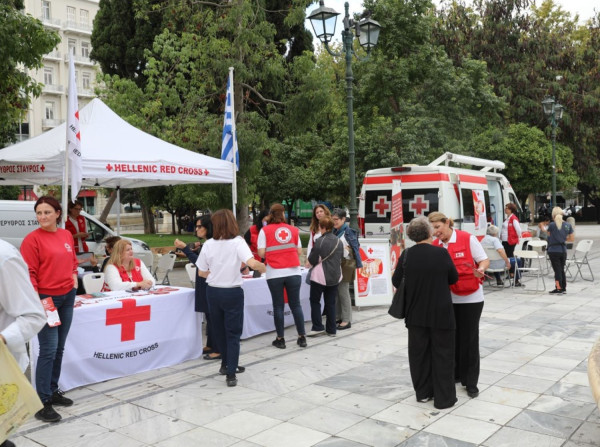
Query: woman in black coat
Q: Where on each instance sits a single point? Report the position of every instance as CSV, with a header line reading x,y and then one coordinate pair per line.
x,y
203,230
429,318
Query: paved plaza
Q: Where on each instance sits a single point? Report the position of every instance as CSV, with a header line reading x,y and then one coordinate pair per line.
x,y
355,389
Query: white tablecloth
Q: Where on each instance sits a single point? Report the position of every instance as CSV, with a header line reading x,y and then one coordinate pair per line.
x,y
119,335
258,307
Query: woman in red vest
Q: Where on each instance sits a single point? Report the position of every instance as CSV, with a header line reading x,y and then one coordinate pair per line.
x,y
251,236
471,262
511,230
279,243
123,271
75,223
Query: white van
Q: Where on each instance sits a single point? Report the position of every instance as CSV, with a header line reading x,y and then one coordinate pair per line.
x,y
17,220
439,187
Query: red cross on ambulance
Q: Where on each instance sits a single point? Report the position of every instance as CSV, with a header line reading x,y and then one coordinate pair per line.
x,y
419,205
381,206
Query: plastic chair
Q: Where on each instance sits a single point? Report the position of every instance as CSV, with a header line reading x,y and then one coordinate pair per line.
x,y
539,247
164,265
93,282
192,272
493,255
580,258
538,271
147,259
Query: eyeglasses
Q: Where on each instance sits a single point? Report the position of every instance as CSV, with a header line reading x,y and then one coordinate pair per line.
x,y
198,226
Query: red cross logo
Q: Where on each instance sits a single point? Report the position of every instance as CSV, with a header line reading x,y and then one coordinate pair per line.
x,y
206,172
419,205
283,235
370,250
127,316
382,206
109,167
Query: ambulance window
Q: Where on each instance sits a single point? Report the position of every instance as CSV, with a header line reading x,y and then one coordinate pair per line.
x,y
378,206
468,205
96,232
419,202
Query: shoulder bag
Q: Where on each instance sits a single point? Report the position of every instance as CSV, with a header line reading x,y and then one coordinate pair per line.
x,y
307,280
398,307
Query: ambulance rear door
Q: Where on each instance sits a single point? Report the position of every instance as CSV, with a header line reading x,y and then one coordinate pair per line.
x,y
474,204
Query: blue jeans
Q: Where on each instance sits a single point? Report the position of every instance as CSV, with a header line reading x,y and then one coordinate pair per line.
x,y
292,285
52,345
226,307
329,296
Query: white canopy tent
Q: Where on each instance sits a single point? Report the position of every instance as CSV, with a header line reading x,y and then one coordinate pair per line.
x,y
114,154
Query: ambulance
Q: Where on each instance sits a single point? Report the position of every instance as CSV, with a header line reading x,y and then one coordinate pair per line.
x,y
473,198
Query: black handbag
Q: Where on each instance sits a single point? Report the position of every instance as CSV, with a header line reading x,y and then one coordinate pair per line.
x,y
398,306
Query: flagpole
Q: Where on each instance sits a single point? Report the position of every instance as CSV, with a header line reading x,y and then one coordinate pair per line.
x,y
233,161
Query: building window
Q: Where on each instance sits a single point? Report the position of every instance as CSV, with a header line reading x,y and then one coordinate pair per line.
x,y
85,49
72,46
85,80
84,18
71,14
76,77
49,110
48,75
46,10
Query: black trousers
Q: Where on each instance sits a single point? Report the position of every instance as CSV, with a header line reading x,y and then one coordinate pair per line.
x,y
558,261
431,360
467,342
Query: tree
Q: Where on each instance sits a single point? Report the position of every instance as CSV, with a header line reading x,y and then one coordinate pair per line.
x,y
527,153
23,42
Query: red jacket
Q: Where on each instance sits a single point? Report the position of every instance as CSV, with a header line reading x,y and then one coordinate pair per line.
x,y
254,242
513,237
281,249
51,259
460,252
81,229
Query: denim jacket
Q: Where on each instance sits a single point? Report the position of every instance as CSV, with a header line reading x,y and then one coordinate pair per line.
x,y
352,239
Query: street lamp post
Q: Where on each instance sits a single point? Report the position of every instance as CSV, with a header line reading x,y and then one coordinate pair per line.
x,y
554,112
323,20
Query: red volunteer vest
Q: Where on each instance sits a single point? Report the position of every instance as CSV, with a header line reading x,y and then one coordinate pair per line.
x,y
460,252
282,246
254,242
513,237
80,229
136,273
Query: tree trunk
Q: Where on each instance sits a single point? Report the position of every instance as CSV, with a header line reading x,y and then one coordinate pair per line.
x,y
532,207
148,219
108,206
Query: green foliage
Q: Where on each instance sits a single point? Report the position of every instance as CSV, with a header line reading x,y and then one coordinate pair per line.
x,y
9,192
23,42
527,153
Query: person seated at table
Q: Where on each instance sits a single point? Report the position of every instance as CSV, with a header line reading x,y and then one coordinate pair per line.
x,y
109,243
491,240
124,272
543,228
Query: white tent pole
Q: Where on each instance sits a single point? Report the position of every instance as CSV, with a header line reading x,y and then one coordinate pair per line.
x,y
118,211
65,184
234,136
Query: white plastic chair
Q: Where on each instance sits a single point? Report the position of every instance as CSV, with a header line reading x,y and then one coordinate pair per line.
x,y
164,265
147,259
93,282
493,255
538,271
540,247
192,272
580,258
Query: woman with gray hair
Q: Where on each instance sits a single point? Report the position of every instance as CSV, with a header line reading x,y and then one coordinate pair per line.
x,y
491,241
429,272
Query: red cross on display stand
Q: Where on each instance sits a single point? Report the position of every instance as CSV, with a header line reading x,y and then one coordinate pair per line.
x,y
419,205
127,316
382,206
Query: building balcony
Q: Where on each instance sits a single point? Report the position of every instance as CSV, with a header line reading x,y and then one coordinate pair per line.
x,y
75,27
81,60
54,56
50,23
86,93
52,89
49,124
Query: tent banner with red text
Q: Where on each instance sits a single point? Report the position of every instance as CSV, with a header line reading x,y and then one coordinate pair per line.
x,y
373,282
118,334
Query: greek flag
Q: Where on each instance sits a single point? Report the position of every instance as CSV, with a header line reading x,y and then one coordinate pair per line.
x,y
229,145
